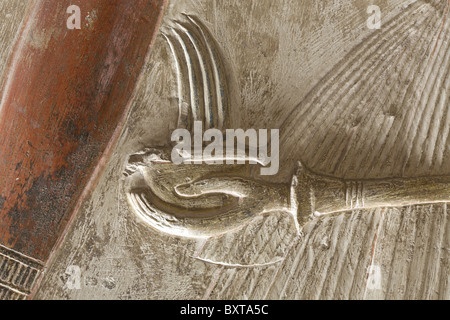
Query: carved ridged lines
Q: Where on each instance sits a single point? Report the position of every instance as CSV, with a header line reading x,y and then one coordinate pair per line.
x,y
319,263
260,247
17,274
416,267
383,111
354,194
202,84
333,257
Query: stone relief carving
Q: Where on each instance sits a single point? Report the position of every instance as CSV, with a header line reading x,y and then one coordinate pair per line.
x,y
363,187
203,201
18,273
203,93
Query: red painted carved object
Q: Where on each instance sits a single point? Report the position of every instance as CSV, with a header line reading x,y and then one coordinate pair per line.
x,y
64,98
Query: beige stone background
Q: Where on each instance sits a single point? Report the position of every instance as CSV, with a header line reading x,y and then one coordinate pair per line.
x,y
276,52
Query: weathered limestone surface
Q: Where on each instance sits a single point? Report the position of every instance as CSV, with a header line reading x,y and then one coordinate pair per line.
x,y
351,103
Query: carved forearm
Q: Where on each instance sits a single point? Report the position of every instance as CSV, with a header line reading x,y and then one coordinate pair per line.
x,y
318,194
